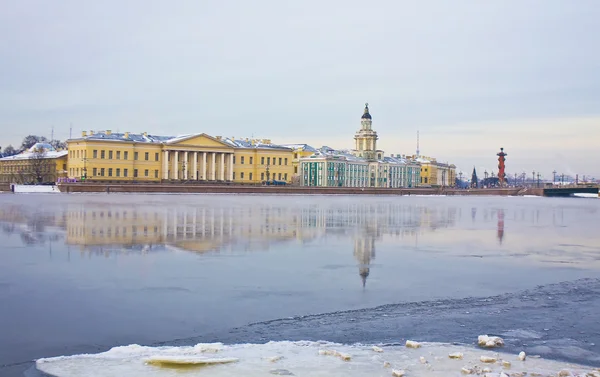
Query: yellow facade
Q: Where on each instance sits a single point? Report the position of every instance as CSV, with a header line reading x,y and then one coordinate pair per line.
x,y
112,160
256,165
106,156
30,167
434,173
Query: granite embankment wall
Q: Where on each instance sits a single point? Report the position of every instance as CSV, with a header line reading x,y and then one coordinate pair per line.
x,y
4,187
279,190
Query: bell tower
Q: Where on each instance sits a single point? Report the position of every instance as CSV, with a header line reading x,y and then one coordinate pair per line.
x,y
365,138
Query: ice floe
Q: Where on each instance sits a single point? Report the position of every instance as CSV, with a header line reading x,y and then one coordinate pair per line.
x,y
305,358
413,344
490,341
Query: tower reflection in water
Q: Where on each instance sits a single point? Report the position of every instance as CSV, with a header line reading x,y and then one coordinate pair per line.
x,y
106,229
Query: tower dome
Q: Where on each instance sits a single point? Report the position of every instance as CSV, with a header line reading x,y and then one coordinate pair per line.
x,y
366,114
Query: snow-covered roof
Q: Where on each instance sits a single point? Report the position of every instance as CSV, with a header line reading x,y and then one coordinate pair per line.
x,y
129,137
42,146
303,147
30,155
254,144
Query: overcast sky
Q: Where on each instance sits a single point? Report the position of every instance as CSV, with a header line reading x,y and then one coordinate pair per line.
x,y
471,76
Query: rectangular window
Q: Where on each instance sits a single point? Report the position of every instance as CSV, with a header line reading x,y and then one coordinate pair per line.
x,y
110,154
242,175
285,176
135,173
110,172
251,160
118,155
280,176
262,160
233,175
146,156
95,172
279,160
156,156
234,159
118,172
102,172
262,176
102,154
135,155
125,171
125,155
250,176
269,160
242,160
295,169
285,160
155,173
146,173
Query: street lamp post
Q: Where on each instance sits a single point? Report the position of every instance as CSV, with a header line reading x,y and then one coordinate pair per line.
x,y
533,178
516,183
538,182
268,173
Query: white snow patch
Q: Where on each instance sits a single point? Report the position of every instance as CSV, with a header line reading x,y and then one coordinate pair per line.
x,y
299,358
413,344
36,189
490,341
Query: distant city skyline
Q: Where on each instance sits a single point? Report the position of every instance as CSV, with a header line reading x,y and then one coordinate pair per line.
x,y
470,76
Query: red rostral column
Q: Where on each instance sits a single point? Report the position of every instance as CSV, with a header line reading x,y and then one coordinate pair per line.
x,y
501,159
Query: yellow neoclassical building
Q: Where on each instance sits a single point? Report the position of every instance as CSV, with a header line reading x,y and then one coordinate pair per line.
x,y
434,173
128,157
39,164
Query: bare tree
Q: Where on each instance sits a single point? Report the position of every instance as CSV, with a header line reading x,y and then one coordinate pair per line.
x,y
40,167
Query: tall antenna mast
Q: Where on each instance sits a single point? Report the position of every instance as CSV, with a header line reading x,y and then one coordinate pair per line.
x,y
418,152
71,131
52,134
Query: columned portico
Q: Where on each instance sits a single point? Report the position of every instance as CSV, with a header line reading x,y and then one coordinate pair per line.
x,y
184,165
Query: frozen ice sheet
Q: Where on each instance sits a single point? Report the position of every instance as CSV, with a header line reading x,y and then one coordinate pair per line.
x,y
302,358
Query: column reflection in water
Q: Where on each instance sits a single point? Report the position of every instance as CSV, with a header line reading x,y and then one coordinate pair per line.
x,y
105,227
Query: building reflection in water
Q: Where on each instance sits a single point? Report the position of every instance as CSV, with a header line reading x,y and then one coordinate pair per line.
x,y
104,229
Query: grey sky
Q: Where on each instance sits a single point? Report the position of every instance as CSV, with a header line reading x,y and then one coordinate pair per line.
x,y
472,76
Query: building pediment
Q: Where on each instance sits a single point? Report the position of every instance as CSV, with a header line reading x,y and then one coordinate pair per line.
x,y
198,140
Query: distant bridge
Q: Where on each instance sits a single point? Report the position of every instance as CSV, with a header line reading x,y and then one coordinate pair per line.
x,y
569,190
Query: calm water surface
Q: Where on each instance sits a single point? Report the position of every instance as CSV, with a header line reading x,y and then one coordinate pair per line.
x,y
83,273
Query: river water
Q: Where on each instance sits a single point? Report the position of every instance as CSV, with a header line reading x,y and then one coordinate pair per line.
x,y
85,273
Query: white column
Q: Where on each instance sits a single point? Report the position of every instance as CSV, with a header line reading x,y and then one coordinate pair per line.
x,y
195,166
231,167
204,175
222,175
213,167
185,166
165,164
175,164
